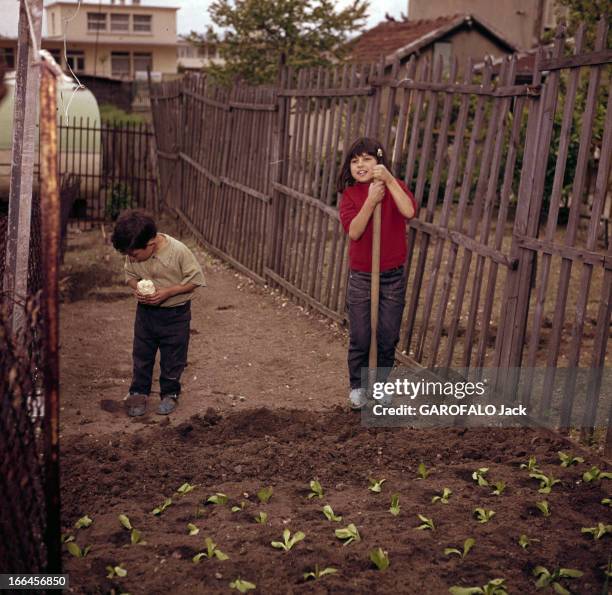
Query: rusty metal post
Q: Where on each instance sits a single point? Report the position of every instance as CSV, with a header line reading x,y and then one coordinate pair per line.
x,y
51,233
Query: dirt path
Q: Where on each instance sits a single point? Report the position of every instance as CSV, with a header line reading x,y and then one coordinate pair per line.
x,y
264,406
247,348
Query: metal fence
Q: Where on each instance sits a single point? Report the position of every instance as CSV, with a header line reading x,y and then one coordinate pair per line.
x,y
23,516
509,265
113,163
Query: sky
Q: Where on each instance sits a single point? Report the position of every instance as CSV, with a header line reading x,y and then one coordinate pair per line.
x,y
193,14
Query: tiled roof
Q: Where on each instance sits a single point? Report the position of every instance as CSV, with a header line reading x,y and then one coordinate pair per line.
x,y
400,38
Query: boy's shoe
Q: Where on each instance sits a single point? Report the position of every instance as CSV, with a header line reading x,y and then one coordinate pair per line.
x,y
357,398
168,404
136,404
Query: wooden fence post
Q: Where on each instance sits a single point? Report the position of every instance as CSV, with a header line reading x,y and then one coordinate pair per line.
x,y
512,327
15,282
279,156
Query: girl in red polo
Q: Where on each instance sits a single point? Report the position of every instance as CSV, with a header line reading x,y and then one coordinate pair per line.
x,y
365,181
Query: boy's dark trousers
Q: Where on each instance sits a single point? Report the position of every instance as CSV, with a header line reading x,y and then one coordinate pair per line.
x,y
166,329
390,310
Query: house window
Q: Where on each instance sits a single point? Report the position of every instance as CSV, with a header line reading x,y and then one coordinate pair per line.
x,y
120,22
96,21
120,64
142,23
52,23
142,62
7,57
443,50
75,59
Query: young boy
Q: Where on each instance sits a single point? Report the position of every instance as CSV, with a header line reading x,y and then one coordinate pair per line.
x,y
162,317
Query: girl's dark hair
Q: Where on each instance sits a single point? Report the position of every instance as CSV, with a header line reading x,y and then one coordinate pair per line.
x,y
359,147
133,231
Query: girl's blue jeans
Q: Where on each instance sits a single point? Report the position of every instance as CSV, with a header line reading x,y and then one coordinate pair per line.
x,y
390,310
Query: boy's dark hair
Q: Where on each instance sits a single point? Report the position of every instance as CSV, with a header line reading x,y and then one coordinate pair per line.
x,y
133,231
359,147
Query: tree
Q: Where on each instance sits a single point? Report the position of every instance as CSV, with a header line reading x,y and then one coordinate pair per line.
x,y
588,12
258,32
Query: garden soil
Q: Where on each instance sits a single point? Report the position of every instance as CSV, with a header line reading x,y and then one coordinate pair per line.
x,y
264,405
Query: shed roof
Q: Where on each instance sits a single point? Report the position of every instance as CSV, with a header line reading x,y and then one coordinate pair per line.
x,y
398,39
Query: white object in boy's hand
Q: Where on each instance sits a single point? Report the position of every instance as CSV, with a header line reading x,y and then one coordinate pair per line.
x,y
146,287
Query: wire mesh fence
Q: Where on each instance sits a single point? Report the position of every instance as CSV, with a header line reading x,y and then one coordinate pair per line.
x,y
23,510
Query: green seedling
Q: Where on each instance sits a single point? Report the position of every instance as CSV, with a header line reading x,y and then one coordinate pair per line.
x,y
261,517
423,472
265,494
530,465
479,476
350,533
543,507
468,544
376,485
76,551
607,501
548,579
525,541
212,551
595,474
240,507
546,481
607,570
199,512
597,532
316,489
83,522
329,514
135,536
395,506
316,574
380,558
567,460
427,523
157,511
116,571
192,529
483,516
67,538
217,498
125,522
288,541
185,489
499,486
493,587
443,497
242,586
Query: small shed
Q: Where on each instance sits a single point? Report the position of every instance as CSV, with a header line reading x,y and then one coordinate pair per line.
x,y
460,36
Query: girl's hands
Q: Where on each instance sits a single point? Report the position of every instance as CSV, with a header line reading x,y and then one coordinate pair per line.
x,y
376,192
382,173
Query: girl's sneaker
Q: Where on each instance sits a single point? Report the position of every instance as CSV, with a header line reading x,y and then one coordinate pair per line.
x,y
357,398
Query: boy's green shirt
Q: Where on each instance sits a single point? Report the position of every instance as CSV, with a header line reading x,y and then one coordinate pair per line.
x,y
173,264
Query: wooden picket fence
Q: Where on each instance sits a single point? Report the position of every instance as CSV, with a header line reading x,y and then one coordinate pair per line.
x,y
508,265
